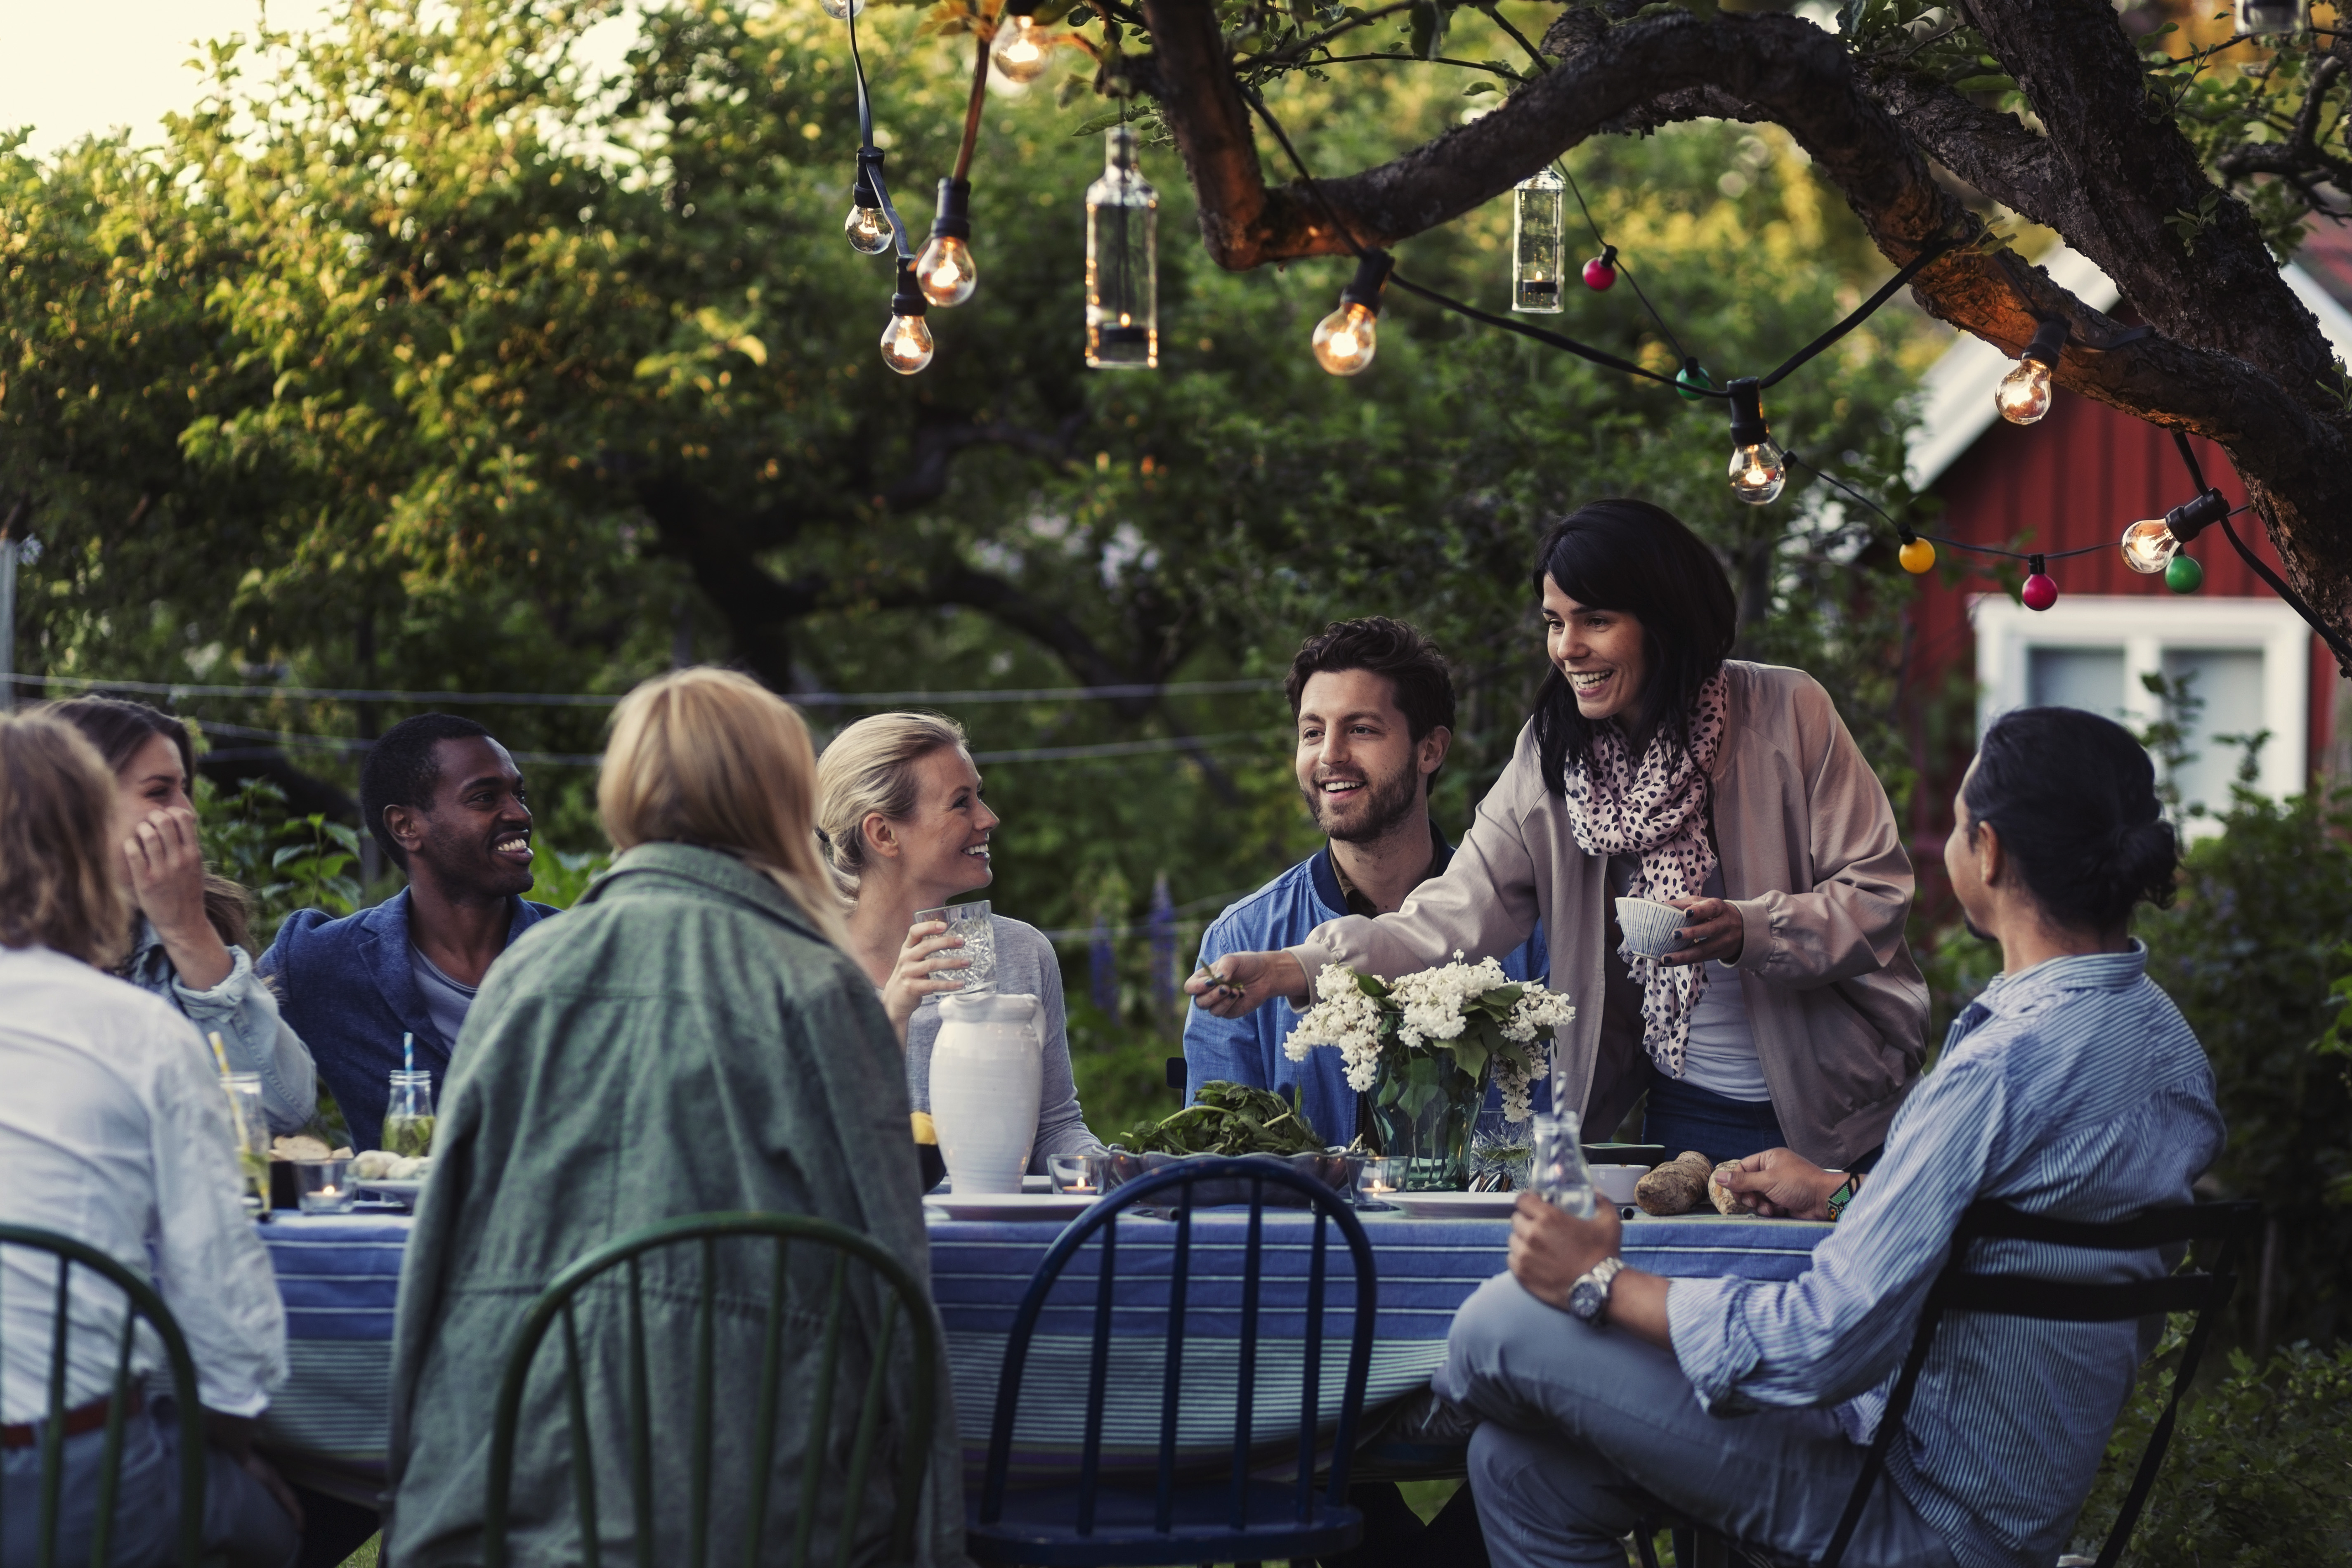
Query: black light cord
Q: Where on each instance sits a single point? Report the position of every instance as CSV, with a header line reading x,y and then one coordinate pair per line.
x,y
1681,357
869,157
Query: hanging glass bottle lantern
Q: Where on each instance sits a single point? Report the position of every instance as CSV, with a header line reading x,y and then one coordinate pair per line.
x,y
1122,262
1539,242
2272,17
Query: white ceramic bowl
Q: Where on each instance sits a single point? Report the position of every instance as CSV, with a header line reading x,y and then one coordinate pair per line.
x,y
1650,926
1615,1183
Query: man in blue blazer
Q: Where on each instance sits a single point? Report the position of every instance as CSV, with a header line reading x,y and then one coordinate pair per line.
x,y
446,803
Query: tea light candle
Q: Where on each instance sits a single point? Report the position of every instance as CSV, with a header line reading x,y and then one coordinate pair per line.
x,y
324,1186
1075,1173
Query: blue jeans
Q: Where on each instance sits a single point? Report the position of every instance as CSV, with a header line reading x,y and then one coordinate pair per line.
x,y
242,1521
1583,1431
1684,1116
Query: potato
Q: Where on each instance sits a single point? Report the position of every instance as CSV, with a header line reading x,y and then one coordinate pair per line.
x,y
1726,1200
1676,1187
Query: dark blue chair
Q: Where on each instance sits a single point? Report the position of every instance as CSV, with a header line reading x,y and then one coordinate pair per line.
x,y
1100,1524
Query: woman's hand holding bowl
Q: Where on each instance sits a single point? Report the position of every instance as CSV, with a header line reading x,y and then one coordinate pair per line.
x,y
920,970
1715,930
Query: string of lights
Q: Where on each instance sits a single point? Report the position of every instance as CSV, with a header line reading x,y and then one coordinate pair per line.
x,y
178,689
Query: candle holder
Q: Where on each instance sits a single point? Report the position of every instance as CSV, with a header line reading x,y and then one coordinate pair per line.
x,y
1380,1177
1081,1175
324,1186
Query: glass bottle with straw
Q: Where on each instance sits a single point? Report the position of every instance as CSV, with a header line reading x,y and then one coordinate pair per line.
x,y
408,1111
251,1127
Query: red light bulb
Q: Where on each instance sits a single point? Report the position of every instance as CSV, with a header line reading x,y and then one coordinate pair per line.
x,y
2039,593
1598,275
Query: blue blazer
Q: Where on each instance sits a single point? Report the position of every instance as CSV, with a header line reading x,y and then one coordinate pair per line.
x,y
346,987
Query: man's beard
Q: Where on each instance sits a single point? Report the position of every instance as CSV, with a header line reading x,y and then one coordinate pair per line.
x,y
1389,801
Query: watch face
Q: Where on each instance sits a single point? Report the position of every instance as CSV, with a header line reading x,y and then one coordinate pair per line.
x,y
1586,1299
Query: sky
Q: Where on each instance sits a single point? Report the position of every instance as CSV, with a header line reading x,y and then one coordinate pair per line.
x,y
69,67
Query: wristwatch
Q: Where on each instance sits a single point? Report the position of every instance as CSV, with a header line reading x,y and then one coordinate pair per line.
x,y
1588,1297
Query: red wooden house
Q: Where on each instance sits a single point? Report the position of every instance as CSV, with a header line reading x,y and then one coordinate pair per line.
x,y
2078,479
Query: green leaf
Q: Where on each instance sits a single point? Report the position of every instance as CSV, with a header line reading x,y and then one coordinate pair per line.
x,y
1475,88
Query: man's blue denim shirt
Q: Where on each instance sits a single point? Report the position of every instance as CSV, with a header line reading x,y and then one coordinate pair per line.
x,y
1248,1049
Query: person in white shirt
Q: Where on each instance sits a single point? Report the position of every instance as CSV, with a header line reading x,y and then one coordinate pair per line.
x,y
114,1131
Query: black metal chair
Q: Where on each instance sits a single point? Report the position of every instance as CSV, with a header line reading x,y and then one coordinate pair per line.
x,y
1959,1288
1235,1519
141,1301
907,1296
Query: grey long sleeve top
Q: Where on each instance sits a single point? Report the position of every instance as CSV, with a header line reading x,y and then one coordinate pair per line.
x,y
1026,964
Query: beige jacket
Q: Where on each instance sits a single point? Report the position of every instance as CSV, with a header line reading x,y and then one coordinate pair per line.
x,y
1813,861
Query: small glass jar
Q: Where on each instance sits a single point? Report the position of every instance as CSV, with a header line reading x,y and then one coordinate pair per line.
x,y
324,1186
1081,1175
408,1115
250,1126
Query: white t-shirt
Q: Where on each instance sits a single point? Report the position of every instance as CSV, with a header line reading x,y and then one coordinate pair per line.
x,y
1720,1056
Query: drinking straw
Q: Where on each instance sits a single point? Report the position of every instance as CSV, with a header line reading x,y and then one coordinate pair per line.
x,y
408,1053
236,1111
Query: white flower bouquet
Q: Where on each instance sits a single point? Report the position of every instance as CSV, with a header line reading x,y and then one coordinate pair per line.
x,y
1423,1046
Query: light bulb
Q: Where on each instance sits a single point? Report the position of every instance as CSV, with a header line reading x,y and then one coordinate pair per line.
x,y
907,344
1916,556
2024,393
868,229
2149,546
842,10
1758,472
1346,339
1021,49
2272,16
2039,592
2184,575
945,270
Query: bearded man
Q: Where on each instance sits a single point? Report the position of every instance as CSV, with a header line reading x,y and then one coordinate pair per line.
x,y
1374,706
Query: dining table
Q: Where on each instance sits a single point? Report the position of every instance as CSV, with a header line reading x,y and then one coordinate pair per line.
x,y
339,1275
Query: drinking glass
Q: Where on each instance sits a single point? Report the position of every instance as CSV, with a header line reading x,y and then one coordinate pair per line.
x,y
408,1114
324,1186
1382,1176
250,1128
1559,1172
969,923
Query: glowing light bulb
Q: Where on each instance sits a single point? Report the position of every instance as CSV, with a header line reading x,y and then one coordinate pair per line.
x,y
945,270
2148,546
869,230
906,341
1759,471
1916,556
1759,468
907,345
842,10
1346,339
2023,397
1021,51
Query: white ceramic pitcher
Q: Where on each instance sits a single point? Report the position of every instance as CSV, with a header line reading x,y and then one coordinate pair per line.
x,y
986,1064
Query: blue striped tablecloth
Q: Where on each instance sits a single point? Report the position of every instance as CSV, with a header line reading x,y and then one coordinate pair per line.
x,y
340,1276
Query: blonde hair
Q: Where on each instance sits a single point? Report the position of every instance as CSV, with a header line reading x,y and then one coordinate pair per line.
x,y
867,768
710,757
57,884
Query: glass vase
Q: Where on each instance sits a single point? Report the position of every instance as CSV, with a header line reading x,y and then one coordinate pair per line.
x,y
1422,1109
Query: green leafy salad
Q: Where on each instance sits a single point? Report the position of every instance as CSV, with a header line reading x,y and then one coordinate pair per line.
x,y
1227,1119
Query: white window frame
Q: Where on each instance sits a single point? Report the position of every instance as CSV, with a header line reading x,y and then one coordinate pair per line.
x,y
2144,625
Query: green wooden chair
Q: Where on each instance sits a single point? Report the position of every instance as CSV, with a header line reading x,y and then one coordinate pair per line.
x,y
906,1298
144,1302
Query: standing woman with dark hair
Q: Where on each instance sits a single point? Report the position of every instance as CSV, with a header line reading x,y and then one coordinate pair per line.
x,y
1657,767
191,937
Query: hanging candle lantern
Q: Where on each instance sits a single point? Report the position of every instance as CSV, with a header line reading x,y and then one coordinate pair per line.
x,y
1122,261
1539,242
2259,17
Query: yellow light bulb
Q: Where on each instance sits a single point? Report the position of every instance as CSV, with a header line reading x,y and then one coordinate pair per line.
x,y
1346,339
868,229
1758,472
2148,546
907,344
1021,51
1916,557
2023,397
945,270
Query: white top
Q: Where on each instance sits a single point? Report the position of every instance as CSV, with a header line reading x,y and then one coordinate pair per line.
x,y
114,1131
1720,1056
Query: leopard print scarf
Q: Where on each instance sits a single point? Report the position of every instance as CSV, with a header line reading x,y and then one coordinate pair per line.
x,y
1656,809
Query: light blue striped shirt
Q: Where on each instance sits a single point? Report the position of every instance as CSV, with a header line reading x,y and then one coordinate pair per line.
x,y
2074,1088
